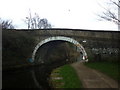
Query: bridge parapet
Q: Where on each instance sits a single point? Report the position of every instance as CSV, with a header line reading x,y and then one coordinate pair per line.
x,y
80,33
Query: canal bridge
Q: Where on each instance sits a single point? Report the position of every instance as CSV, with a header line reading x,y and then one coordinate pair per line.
x,y
91,43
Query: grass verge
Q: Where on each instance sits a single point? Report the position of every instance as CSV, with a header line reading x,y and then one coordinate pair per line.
x,y
108,68
70,78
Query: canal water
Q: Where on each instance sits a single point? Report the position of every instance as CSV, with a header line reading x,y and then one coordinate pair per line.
x,y
32,77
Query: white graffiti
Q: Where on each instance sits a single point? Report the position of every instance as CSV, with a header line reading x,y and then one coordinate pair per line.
x,y
106,50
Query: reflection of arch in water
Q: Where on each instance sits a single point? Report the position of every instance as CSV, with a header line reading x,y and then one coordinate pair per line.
x,y
79,46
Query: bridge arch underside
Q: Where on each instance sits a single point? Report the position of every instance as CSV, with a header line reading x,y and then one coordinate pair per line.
x,y
79,48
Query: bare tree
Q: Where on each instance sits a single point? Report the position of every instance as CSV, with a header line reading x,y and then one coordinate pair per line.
x,y
112,15
36,22
6,24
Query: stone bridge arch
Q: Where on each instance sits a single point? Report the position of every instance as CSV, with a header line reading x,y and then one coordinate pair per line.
x,y
80,48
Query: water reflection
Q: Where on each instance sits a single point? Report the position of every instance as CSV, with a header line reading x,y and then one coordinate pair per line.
x,y
32,77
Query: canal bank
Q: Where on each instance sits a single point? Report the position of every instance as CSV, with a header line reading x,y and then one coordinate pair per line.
x,y
65,77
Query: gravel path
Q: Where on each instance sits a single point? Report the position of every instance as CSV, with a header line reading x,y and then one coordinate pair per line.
x,y
93,79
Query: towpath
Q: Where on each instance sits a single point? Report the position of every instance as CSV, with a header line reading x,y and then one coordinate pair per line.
x,y
91,78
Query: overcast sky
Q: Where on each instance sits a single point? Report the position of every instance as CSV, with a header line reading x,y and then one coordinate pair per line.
x,y
77,14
